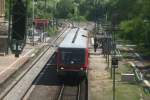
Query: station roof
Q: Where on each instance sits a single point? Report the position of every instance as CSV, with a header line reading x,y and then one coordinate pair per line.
x,y
76,38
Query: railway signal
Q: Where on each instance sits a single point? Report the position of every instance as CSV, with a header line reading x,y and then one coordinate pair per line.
x,y
18,31
114,62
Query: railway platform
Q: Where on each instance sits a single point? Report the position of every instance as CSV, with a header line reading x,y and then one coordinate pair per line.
x,y
99,82
9,64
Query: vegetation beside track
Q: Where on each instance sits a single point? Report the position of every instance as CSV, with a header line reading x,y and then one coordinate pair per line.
x,y
128,90
52,32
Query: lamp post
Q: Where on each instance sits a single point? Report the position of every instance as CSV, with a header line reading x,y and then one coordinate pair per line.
x,y
33,22
9,26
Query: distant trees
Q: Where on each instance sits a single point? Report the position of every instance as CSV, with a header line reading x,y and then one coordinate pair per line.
x,y
83,9
134,19
65,9
133,15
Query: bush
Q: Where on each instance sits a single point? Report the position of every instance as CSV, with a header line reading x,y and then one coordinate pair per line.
x,y
52,31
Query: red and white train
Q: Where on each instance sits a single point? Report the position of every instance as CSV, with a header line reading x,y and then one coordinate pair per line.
x,y
72,53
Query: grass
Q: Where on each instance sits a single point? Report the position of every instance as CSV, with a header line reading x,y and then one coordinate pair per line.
x,y
124,91
125,55
52,32
147,66
127,92
144,51
123,68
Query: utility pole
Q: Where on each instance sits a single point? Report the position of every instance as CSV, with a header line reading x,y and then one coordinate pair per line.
x,y
114,57
33,22
114,65
9,26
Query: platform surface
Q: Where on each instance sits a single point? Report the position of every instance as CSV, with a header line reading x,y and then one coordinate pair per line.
x,y
9,63
99,82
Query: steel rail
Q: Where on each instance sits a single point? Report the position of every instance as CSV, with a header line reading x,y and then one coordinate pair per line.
x,y
61,92
79,92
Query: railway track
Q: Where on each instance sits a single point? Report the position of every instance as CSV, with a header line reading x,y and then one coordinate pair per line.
x,y
74,92
23,82
64,90
69,92
48,86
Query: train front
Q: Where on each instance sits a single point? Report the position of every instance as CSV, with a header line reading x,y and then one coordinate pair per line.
x,y
72,60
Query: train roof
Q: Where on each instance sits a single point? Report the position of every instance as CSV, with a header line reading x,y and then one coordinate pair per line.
x,y
76,38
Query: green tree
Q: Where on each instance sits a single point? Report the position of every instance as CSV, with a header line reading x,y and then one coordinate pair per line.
x,y
134,19
65,9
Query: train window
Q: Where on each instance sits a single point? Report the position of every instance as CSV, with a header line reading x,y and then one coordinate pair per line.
x,y
72,56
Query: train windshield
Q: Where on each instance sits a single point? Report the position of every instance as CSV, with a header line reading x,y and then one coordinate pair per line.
x,y
72,56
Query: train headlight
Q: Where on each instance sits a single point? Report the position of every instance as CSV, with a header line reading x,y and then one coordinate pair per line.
x,y
81,68
61,68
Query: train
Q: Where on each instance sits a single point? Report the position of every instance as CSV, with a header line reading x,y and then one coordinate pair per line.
x,y
72,53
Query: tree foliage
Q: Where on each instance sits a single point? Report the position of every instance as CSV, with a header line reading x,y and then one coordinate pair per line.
x,y
65,8
133,19
133,15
